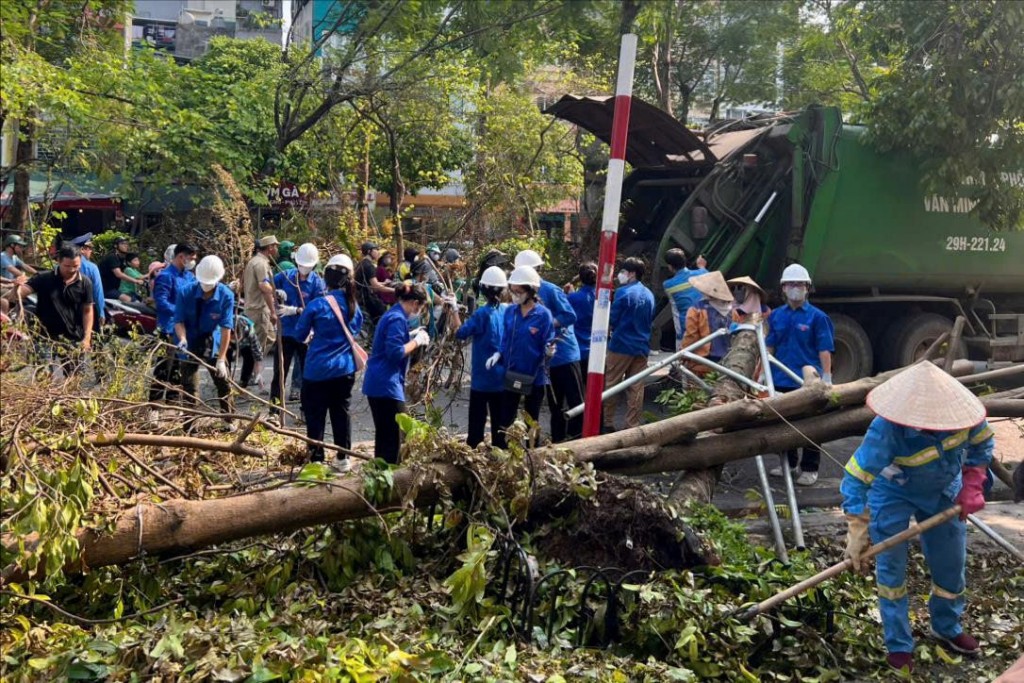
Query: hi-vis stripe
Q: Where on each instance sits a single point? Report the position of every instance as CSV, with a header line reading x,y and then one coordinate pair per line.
x,y
917,459
940,592
853,467
681,287
892,592
954,440
983,435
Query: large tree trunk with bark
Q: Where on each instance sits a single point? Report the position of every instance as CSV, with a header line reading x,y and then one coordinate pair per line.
x,y
23,159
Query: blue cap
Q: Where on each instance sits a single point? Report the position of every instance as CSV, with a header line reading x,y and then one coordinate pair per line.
x,y
84,239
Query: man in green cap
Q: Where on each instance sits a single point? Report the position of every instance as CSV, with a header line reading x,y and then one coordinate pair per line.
x,y
284,256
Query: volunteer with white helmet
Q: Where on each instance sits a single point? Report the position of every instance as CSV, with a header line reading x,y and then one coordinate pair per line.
x,y
384,381
487,381
565,373
800,334
301,286
330,370
204,315
528,328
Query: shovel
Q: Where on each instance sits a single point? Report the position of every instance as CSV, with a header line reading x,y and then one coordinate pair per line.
x,y
837,569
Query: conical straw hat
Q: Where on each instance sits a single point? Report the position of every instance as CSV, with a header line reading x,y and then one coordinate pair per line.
x,y
749,281
925,397
712,284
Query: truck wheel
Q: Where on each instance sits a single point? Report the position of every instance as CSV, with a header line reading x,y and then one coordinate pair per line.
x,y
918,333
853,357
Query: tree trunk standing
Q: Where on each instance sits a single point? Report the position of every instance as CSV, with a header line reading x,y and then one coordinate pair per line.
x,y
630,9
363,187
744,358
397,189
23,160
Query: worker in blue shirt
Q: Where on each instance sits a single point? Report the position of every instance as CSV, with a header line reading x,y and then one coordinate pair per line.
x,y
630,322
928,449
301,286
329,373
799,334
92,271
564,373
204,316
486,327
384,381
582,302
175,276
528,331
680,292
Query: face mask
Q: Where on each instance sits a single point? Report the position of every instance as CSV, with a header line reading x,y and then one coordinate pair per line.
x,y
206,287
305,270
623,277
723,307
795,294
190,265
519,298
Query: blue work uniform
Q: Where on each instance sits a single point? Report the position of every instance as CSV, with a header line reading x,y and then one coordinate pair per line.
x,y
567,350
630,319
682,295
387,365
300,293
582,302
486,327
901,472
204,318
165,294
797,337
92,271
525,339
330,354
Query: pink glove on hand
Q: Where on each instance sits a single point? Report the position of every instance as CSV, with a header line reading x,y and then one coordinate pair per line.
x,y
972,495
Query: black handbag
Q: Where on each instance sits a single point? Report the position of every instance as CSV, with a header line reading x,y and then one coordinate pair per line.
x,y
519,382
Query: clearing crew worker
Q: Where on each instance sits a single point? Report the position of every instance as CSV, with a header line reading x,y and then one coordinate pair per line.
x,y
175,276
630,322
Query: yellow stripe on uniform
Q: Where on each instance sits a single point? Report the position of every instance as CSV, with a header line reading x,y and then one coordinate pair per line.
x,y
892,592
854,468
983,435
954,440
681,287
940,592
917,459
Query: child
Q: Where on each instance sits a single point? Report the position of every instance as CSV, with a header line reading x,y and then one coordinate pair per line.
x,y
129,291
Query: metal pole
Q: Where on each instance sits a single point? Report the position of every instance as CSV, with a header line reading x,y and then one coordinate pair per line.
x,y
787,476
609,235
630,381
732,374
773,515
994,535
781,366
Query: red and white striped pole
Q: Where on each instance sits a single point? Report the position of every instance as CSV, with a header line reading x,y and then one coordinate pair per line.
x,y
609,237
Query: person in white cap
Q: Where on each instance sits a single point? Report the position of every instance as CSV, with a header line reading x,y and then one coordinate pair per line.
x,y
928,449
204,315
258,292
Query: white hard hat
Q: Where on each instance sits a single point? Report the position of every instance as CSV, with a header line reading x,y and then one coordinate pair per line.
x,y
169,253
341,261
494,277
307,255
524,275
210,270
528,257
794,272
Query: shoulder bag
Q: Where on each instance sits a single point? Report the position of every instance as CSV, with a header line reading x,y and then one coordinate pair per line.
x,y
358,352
518,382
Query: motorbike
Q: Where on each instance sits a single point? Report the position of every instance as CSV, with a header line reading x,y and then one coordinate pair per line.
x,y
127,317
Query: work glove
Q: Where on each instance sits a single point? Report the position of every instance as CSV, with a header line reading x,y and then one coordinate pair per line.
x,y
421,338
972,495
282,296
285,311
222,369
450,300
857,540
183,345
826,377
492,361
549,350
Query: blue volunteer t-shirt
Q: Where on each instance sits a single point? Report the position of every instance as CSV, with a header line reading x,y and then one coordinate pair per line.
x,y
525,340
582,302
631,317
330,354
797,336
486,326
311,288
567,350
386,367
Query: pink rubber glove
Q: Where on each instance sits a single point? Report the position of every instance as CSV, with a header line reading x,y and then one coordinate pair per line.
x,y
972,495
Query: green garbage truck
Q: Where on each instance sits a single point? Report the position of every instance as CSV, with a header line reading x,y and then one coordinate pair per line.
x,y
892,264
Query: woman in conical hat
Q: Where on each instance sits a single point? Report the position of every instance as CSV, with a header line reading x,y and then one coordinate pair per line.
x,y
928,449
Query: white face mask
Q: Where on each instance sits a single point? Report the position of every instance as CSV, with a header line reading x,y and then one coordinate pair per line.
x,y
190,265
305,270
723,307
795,294
519,298
206,287
623,277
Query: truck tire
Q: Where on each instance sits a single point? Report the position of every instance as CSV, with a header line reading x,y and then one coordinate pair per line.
x,y
853,357
917,333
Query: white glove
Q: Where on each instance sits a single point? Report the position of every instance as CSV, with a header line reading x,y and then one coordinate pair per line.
x,y
549,350
450,300
183,345
492,361
421,337
826,377
222,368
288,310
281,295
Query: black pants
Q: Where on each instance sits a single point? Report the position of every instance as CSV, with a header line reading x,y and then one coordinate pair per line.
x,y
248,365
166,374
511,401
290,348
387,437
190,385
566,391
480,404
584,364
328,396
811,460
